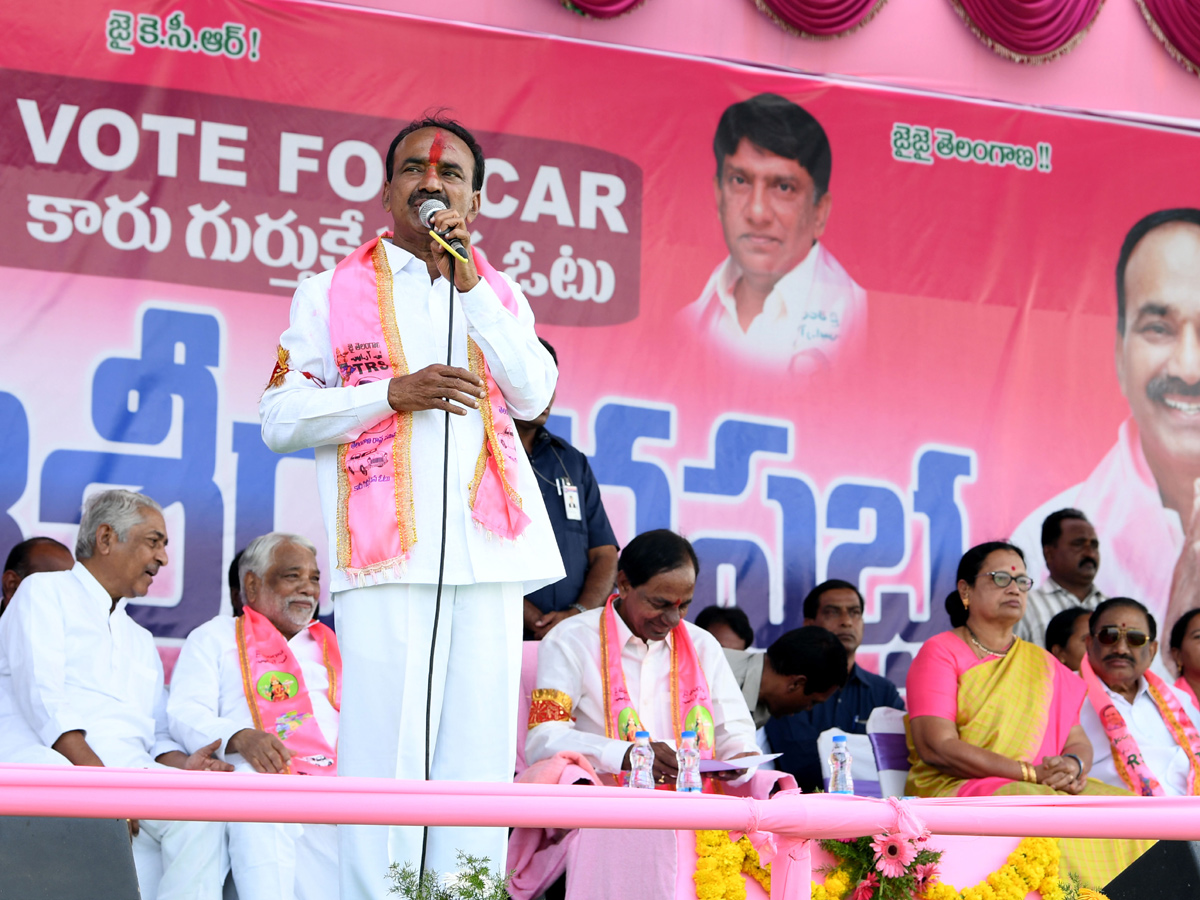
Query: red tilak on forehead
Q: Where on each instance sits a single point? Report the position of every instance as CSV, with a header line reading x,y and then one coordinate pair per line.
x,y
435,149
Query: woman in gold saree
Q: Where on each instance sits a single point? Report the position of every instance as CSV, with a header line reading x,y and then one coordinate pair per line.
x,y
991,714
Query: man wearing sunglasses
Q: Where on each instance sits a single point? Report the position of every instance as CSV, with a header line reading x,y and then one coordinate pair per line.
x,y
1142,730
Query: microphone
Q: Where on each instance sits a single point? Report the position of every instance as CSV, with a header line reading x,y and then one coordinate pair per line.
x,y
425,214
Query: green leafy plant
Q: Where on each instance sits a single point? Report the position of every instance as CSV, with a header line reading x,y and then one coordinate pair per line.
x,y
474,880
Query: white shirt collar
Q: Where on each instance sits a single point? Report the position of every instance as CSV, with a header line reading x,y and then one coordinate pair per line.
x,y
1143,690
398,257
625,635
790,292
96,589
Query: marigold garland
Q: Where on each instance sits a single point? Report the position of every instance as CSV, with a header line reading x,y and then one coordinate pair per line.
x,y
1033,866
721,863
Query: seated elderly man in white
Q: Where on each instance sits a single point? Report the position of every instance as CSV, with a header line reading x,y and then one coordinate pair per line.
x,y
264,687
81,683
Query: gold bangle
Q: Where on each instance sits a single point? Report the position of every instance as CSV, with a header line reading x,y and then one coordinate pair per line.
x,y
1026,773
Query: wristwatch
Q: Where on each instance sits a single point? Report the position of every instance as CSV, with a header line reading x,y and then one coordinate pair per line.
x,y
579,607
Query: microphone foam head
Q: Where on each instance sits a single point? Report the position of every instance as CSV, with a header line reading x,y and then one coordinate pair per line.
x,y
427,209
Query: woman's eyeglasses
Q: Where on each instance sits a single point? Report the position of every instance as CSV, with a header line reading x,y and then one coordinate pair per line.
x,y
1004,579
1110,634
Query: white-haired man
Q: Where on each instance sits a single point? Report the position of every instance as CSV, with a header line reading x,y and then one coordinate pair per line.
x,y
79,677
265,686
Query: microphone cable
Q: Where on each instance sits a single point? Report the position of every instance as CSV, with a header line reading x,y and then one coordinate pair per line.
x,y
437,603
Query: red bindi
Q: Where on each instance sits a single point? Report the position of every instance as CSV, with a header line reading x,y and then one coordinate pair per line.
x,y
435,149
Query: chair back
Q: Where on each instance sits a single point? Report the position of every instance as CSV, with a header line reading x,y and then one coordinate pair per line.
x,y
862,761
885,730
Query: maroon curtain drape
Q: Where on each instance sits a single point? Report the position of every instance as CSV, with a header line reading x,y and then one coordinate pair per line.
x,y
1177,24
601,9
1029,31
820,18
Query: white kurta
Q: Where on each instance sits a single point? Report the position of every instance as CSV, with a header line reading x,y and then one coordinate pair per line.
x,y
208,703
812,316
385,630
1163,756
300,414
569,661
69,664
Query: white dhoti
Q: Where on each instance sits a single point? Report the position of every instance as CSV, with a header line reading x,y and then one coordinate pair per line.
x,y
179,860
384,633
283,862
273,861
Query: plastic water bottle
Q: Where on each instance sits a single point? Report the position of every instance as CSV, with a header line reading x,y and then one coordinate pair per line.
x,y
840,780
641,762
688,780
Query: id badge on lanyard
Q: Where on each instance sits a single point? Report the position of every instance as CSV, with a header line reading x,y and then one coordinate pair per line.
x,y
570,495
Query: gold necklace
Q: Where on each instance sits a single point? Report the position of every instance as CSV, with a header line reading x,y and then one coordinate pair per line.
x,y
975,641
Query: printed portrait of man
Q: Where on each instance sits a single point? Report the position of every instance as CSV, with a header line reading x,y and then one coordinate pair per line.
x,y
779,299
1142,497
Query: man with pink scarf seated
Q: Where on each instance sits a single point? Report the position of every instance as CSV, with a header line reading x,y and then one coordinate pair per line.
x,y
603,675
1142,497
1143,731
265,685
636,665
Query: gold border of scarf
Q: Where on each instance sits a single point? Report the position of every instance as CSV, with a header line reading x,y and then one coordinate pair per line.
x,y
401,443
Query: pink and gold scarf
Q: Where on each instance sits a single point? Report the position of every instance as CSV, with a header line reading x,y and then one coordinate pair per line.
x,y
277,696
376,521
691,704
1127,756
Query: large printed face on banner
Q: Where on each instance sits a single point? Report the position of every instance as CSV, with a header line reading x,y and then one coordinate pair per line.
x,y
823,329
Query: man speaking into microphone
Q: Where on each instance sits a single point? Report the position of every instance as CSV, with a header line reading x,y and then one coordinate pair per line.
x,y
361,377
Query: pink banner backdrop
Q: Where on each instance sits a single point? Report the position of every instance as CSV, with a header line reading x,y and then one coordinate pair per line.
x,y
173,170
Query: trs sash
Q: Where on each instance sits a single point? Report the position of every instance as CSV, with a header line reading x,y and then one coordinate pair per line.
x,y
276,694
376,523
1181,684
1127,756
691,704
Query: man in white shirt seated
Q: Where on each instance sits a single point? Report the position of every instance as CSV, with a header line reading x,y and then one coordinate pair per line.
x,y
1142,730
610,672
81,682
281,716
